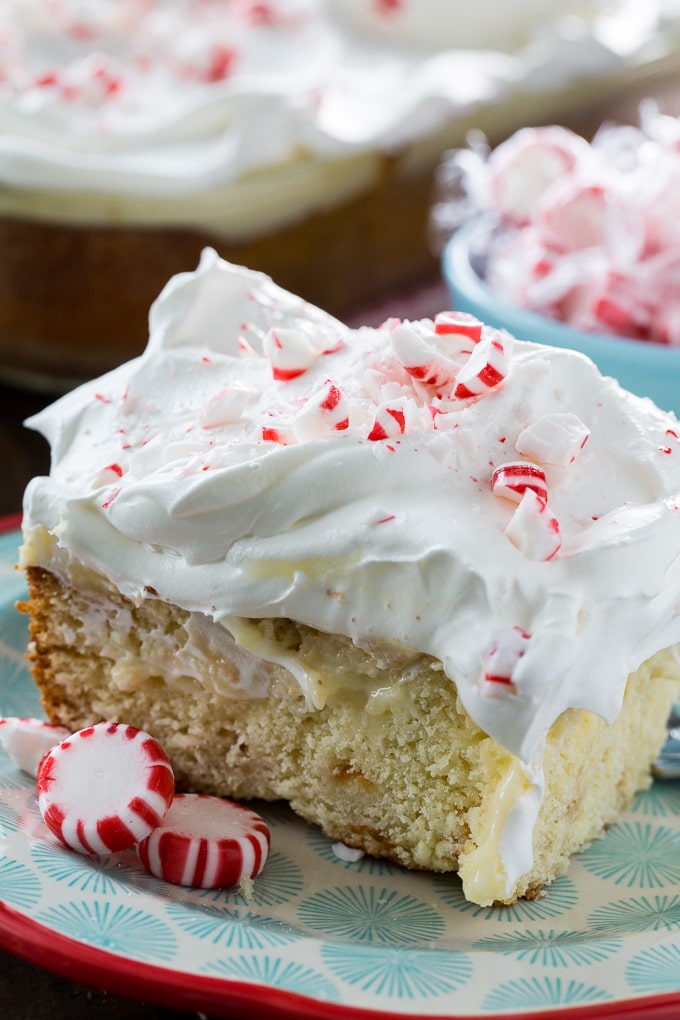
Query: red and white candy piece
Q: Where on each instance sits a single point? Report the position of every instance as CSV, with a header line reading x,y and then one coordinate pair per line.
x,y
207,843
610,303
522,168
666,324
554,438
325,413
105,788
574,215
226,406
390,421
458,324
501,659
486,367
533,528
423,359
290,351
512,480
661,204
277,429
27,741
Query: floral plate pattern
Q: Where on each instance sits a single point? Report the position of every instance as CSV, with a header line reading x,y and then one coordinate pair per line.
x,y
322,937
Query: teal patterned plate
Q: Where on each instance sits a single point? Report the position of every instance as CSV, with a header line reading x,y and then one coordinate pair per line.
x,y
326,938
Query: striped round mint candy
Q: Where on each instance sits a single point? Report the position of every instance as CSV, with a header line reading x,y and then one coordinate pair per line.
x,y
207,843
27,740
105,788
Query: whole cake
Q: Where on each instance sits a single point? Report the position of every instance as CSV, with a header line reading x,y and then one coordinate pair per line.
x,y
420,581
285,134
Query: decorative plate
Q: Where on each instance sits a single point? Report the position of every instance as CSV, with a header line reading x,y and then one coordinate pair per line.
x,y
322,937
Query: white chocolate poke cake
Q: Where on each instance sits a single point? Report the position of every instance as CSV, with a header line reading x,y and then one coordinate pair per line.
x,y
285,134
420,581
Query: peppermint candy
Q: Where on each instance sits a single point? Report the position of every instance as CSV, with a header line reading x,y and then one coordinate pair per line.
x,y
522,168
291,351
486,367
588,235
276,429
104,788
326,412
533,528
501,659
458,324
512,480
666,324
574,215
226,406
27,741
553,439
110,786
609,302
390,421
206,843
424,361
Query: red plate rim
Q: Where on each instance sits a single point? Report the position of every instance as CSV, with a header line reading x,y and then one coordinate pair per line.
x,y
95,967
10,522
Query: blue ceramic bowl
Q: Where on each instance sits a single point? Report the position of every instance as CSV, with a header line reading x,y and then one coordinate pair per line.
x,y
648,369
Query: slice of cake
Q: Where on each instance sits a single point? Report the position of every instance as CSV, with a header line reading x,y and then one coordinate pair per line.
x,y
284,134
420,581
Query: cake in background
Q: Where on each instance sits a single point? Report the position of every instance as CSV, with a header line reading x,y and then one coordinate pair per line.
x,y
418,580
298,137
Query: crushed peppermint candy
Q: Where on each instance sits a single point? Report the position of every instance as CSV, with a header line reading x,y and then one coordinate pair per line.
x,y
512,480
426,358
390,421
501,659
458,324
585,233
486,368
324,413
533,529
553,438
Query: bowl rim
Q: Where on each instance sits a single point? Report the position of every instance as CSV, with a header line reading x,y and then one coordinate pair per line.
x,y
464,280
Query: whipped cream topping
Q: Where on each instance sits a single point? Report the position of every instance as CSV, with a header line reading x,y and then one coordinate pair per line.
x,y
497,505
161,98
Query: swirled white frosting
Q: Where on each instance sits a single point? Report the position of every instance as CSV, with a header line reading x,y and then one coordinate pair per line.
x,y
260,459
143,97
